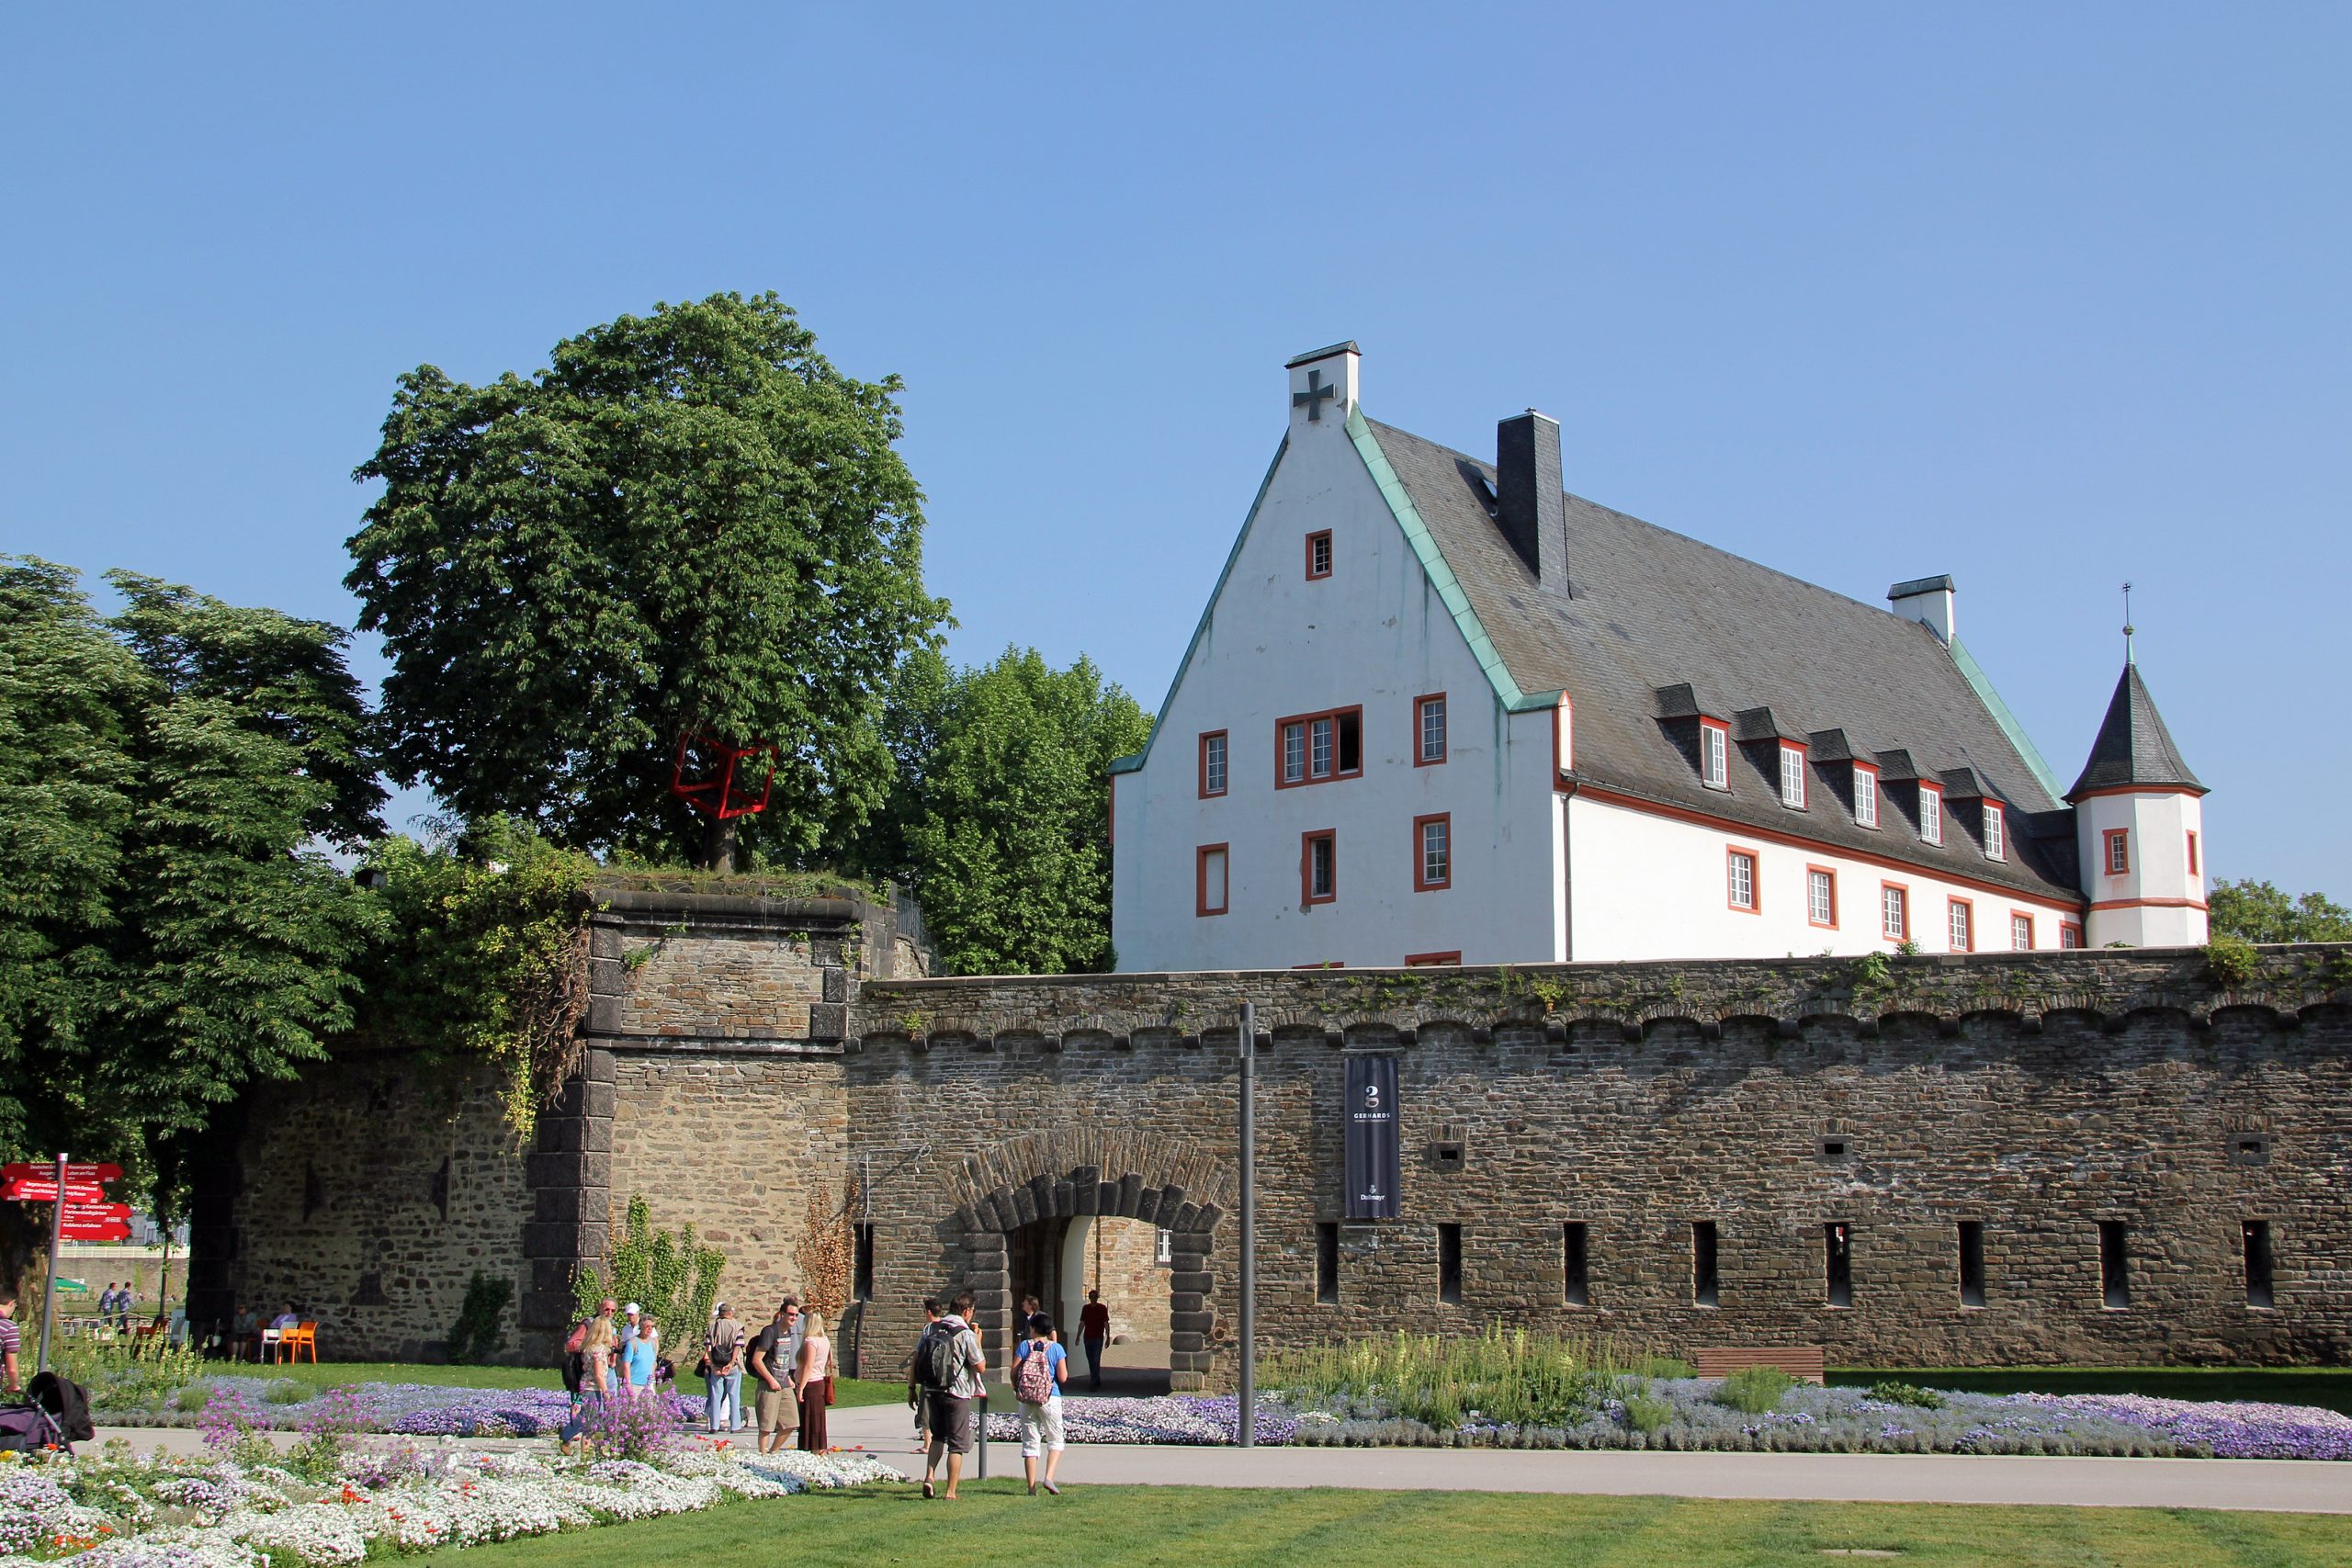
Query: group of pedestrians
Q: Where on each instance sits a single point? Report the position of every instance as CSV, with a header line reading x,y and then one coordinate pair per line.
x,y
791,1365
947,1386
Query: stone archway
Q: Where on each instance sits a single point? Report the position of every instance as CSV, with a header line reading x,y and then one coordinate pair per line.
x,y
1081,1172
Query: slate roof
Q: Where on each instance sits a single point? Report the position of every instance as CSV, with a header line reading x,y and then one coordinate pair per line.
x,y
2134,746
1657,622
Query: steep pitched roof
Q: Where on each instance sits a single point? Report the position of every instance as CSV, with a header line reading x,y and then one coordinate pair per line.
x,y
2134,746
1657,619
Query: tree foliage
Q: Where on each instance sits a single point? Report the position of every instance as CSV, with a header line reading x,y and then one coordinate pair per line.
x,y
689,521
2260,912
1001,815
169,929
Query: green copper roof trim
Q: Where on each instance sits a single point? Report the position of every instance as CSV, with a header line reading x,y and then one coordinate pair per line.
x,y
1134,763
1441,576
2006,720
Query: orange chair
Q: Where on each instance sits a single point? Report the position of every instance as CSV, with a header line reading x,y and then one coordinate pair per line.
x,y
297,1340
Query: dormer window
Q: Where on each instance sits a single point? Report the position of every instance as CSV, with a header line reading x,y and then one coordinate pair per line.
x,y
1715,754
1931,814
1865,796
1792,776
1997,833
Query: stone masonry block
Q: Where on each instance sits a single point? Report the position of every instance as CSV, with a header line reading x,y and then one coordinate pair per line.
x,y
828,1021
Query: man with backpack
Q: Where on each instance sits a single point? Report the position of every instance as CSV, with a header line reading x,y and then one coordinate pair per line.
x,y
1040,1367
947,1375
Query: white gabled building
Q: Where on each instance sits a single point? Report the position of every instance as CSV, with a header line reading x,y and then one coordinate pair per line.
x,y
1439,711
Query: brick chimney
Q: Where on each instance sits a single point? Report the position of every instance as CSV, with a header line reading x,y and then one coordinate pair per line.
x,y
1528,507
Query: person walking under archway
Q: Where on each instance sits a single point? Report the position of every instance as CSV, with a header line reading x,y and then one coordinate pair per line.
x,y
1094,1330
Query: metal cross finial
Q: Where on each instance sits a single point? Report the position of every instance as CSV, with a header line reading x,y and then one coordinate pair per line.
x,y
1314,397
2127,623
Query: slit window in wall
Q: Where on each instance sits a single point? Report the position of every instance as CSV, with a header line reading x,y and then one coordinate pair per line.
x,y
1997,833
1866,797
1213,771
1821,896
2021,932
1704,1287
1739,880
1894,912
1837,1243
1931,814
1319,871
1210,880
1327,1263
2255,1236
1971,1263
2192,854
2114,1265
1715,754
1576,1264
862,1287
1318,555
2119,852
1433,853
1792,776
1962,920
1429,729
1449,1264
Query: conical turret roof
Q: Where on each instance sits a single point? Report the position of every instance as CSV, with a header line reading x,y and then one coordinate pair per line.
x,y
2134,748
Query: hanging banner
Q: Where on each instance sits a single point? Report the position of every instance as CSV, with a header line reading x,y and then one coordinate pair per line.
x,y
1376,1164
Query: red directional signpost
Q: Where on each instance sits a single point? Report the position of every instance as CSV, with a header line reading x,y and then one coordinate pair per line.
x,y
85,1215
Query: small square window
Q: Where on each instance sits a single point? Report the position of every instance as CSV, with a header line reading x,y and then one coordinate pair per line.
x,y
1715,754
1433,853
1213,768
1866,797
1792,777
1318,555
1429,729
1739,867
1997,838
1931,814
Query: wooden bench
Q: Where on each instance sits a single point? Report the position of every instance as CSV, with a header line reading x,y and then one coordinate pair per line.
x,y
1806,1363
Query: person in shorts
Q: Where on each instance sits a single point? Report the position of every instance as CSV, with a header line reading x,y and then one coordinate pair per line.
x,y
955,1407
774,1351
1040,1367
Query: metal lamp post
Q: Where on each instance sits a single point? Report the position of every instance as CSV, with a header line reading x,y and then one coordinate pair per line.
x,y
1247,1437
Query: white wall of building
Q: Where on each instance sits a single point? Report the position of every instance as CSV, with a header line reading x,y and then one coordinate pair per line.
x,y
1643,886
1275,644
2159,902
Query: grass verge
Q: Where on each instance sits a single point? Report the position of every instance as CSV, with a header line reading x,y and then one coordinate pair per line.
x,y
1126,1527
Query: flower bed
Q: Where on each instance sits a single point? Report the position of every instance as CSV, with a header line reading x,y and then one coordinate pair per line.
x,y
111,1510
1684,1413
405,1409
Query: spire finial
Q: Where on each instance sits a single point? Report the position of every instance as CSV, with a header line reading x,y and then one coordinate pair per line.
x,y
2127,624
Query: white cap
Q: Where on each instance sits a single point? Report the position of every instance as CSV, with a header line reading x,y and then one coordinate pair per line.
x,y
633,1309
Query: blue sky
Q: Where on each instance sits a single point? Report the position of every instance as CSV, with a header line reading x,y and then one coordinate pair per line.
x,y
2043,297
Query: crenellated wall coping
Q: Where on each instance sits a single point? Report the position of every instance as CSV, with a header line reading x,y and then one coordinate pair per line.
x,y
1377,1006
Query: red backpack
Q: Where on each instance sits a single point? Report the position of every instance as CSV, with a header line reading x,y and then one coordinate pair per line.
x,y
1032,1378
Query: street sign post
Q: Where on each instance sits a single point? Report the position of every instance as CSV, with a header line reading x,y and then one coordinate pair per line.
x,y
76,1195
49,1298
43,1189
86,1172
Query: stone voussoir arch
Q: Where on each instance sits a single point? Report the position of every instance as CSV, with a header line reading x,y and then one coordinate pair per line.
x,y
1112,1173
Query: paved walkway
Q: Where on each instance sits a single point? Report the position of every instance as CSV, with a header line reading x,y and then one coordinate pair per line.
x,y
2292,1485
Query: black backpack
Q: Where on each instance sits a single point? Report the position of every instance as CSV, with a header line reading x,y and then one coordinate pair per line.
x,y
936,1363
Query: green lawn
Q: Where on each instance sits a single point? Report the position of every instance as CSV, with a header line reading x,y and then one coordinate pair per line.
x,y
326,1374
1184,1527
2329,1387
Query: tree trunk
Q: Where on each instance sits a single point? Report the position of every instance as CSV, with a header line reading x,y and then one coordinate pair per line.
x,y
719,845
24,1244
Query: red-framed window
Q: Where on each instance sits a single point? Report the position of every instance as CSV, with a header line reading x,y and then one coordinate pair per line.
x,y
2117,854
1996,832
1960,915
1865,796
1318,555
1563,734
1432,960
1214,773
1714,753
2069,934
1212,879
1429,729
1740,890
1931,814
2192,854
2020,930
1821,896
1316,748
1894,911
1433,853
1792,776
1319,867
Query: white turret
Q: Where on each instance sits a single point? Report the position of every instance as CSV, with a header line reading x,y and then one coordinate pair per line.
x,y
2139,826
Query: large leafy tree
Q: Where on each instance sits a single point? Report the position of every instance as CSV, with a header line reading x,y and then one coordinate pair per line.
x,y
689,522
170,926
1001,815
2260,912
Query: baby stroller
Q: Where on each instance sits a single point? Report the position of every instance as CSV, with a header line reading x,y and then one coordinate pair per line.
x,y
56,1415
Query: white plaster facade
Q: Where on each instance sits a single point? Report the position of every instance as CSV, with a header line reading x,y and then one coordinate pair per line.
x,y
1541,870
2159,899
